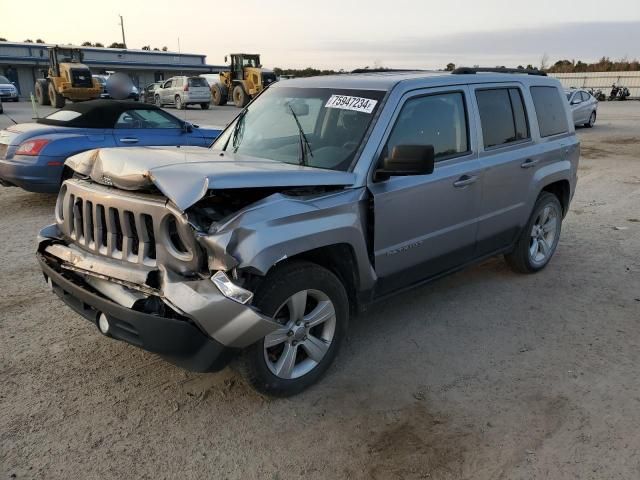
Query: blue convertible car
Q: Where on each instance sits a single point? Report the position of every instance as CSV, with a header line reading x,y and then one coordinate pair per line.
x,y
32,155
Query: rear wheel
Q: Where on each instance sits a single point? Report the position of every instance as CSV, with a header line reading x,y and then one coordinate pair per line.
x,y
219,97
179,104
312,306
539,239
157,101
205,106
42,93
55,98
592,120
240,97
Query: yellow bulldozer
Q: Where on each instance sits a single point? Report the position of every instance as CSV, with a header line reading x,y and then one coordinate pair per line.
x,y
67,78
244,80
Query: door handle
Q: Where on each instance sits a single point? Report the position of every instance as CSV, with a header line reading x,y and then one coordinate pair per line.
x,y
528,163
129,140
465,180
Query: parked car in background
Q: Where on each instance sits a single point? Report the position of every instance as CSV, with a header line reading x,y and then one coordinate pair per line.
x,y
149,92
8,91
324,195
32,155
102,79
584,107
183,91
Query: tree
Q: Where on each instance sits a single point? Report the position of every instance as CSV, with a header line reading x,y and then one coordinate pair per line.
x,y
98,44
155,49
146,47
39,40
86,44
117,45
2,39
164,49
544,61
28,40
450,67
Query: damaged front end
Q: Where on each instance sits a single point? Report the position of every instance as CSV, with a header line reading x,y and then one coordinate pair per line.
x,y
134,260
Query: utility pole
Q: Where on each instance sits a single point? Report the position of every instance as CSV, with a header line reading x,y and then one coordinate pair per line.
x,y
124,42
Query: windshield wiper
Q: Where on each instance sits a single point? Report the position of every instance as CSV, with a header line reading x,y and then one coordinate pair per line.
x,y
236,132
304,143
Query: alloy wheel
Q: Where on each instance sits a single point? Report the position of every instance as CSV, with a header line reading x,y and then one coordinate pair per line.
x,y
308,321
543,235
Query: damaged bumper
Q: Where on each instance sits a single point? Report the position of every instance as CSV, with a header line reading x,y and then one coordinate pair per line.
x,y
190,322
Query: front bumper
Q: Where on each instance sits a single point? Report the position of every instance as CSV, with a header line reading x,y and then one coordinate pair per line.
x,y
178,341
203,327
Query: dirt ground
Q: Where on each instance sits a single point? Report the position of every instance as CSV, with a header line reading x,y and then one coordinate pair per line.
x,y
483,375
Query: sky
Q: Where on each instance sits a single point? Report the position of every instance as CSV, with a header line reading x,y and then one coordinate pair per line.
x,y
345,34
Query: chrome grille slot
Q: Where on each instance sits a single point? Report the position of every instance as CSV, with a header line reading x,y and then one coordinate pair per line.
x,y
126,226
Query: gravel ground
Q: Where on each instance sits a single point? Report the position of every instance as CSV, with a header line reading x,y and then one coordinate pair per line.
x,y
483,375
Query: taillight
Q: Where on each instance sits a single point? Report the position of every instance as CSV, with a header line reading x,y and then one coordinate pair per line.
x,y
31,147
186,88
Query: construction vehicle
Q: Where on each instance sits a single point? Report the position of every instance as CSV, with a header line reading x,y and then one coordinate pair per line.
x,y
67,78
244,80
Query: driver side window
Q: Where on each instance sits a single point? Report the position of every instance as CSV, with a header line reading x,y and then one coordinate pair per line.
x,y
146,119
439,120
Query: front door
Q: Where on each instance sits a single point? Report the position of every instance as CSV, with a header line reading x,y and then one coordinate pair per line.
x,y
141,127
426,224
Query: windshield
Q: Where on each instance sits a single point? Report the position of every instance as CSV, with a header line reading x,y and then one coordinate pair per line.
x,y
318,127
4,79
198,82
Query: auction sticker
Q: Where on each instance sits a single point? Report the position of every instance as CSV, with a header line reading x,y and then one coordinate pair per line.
x,y
346,102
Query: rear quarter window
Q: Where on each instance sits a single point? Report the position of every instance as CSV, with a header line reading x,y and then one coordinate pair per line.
x,y
550,111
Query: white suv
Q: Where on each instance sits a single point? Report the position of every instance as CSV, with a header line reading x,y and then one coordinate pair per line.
x,y
183,91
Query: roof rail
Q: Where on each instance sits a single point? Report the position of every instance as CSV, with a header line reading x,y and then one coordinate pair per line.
x,y
383,70
468,70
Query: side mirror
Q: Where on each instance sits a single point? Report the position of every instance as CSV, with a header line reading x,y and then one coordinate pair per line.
x,y
407,160
187,127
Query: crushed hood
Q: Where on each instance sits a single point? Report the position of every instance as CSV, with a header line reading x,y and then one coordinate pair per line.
x,y
185,174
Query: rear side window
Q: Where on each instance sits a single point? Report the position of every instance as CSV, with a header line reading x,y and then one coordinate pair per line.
x,y
550,112
502,116
439,120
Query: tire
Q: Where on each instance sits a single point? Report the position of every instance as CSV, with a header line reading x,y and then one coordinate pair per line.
x,y
310,289
205,106
157,102
15,99
178,103
42,92
592,120
218,96
240,97
538,241
57,100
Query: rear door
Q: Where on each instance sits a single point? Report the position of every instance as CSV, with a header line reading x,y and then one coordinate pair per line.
x,y
141,127
509,158
426,224
165,91
199,89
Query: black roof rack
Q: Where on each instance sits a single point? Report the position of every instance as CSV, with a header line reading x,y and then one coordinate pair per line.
x,y
383,70
468,71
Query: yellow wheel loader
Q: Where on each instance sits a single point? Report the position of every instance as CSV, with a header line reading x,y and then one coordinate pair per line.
x,y
66,79
245,79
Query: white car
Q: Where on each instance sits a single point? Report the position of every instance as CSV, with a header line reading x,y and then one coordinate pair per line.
x,y
584,107
182,91
8,90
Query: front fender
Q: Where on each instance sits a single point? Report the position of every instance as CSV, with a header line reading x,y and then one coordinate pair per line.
x,y
280,226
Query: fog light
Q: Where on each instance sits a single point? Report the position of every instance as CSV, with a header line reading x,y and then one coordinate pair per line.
x,y
103,323
230,289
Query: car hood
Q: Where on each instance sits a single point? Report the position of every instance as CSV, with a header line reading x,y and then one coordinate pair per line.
x,y
185,174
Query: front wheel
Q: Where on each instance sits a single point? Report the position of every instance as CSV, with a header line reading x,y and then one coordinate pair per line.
x,y
157,101
55,99
539,239
312,307
240,97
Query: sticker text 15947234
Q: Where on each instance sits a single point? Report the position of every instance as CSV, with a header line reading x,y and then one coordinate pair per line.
x,y
346,102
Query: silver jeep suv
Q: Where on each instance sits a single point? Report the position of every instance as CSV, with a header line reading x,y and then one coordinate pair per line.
x,y
322,196
183,91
